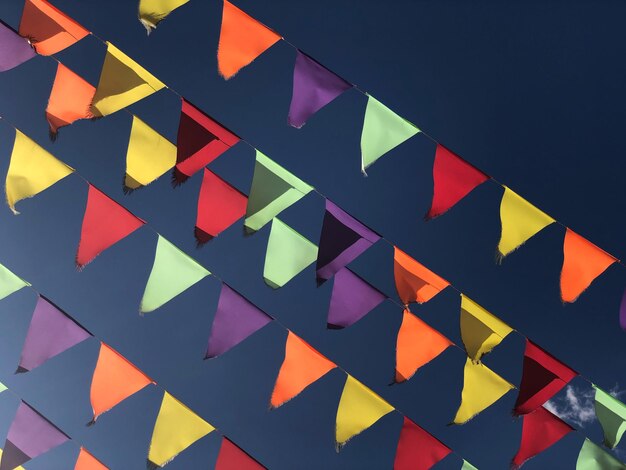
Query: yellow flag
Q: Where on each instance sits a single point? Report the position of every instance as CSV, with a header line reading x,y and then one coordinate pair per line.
x,y
520,221
152,12
359,408
122,83
481,331
149,155
176,428
482,387
32,169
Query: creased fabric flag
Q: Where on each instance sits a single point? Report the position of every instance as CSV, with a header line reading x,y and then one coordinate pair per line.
x,y
173,272
453,179
3,387
417,344
273,190
622,312
582,263
122,83
359,408
232,457
48,29
30,435
51,332
417,449
200,140
149,156
542,377
481,331
612,416
114,380
314,86
219,206
86,461
152,12
415,282
105,223
14,49
242,39
467,466
288,254
32,170
593,457
236,318
482,387
16,468
10,283
383,130
343,239
302,366
351,299
175,429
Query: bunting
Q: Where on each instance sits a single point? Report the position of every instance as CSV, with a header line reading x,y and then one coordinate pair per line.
x,y
612,416
152,12
417,449
593,457
232,457
415,282
15,49
10,283
86,461
481,331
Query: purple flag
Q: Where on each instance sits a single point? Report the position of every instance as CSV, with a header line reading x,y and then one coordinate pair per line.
x,y
14,49
314,86
30,435
51,332
622,312
342,240
352,298
236,319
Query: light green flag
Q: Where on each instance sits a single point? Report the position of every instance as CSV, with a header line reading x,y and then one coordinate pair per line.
x,y
467,466
382,130
288,253
592,457
273,190
612,416
2,387
9,282
172,273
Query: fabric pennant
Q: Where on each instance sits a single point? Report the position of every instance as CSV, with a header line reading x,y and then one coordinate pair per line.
x,y
232,457
152,12
86,461
10,283
415,282
273,190
622,312
173,272
314,86
612,416
481,331
175,429
15,49
593,457
16,468
236,318
467,466
288,254
417,449
3,387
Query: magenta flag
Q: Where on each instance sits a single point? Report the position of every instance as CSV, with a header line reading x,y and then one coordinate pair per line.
x,y
14,49
352,298
622,312
314,86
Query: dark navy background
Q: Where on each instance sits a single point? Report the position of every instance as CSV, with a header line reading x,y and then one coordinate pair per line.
x,y
532,93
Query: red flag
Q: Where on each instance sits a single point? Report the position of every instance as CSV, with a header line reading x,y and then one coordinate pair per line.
x,y
232,457
417,449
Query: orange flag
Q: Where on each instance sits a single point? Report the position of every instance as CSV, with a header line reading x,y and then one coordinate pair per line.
x,y
582,263
302,366
86,461
415,282
114,380
242,39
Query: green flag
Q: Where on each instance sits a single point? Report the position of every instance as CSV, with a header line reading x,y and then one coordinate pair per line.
x,y
172,273
9,282
592,457
382,130
288,253
612,416
2,387
273,190
467,466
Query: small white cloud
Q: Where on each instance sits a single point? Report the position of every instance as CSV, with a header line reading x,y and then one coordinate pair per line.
x,y
577,406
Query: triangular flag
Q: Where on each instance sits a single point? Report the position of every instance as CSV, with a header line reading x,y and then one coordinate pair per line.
x,y
232,457
122,83
236,318
51,332
343,239
481,331
10,283
86,461
200,140
467,466
612,416
482,387
453,179
175,429
359,408
541,429
152,12
288,254
105,223
30,435
149,156
242,39
15,49
593,457
520,220
383,130
48,29
582,263
32,170
16,468
415,282
314,86
114,379
173,272
417,449
219,206
542,377
302,366
351,299
3,387
417,344
273,190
